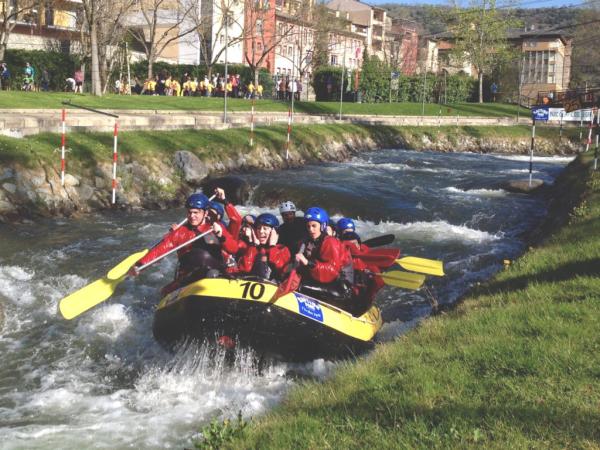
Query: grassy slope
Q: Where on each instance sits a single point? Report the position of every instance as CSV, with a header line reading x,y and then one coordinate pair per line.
x,y
52,100
88,148
516,365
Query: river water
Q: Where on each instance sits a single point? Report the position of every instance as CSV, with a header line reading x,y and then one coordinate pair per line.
x,y
102,381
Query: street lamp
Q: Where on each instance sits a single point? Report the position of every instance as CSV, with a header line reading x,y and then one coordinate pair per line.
x,y
342,83
226,19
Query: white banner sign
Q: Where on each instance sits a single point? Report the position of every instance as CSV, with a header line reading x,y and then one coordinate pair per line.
x,y
574,116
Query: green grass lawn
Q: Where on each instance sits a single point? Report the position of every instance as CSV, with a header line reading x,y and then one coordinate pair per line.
x,y
516,365
53,100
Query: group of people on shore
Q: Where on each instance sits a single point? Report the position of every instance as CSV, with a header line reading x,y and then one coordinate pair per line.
x,y
327,258
188,86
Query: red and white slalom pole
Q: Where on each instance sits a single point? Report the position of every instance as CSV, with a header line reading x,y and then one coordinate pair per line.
x,y
289,131
252,124
115,157
531,152
589,139
63,138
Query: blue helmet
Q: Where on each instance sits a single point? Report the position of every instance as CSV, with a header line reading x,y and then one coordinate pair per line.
x,y
317,214
345,224
197,201
267,219
217,207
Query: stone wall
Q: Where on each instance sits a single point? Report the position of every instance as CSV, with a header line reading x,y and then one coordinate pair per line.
x,y
159,182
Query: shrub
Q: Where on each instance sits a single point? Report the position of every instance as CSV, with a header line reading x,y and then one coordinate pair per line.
x,y
60,66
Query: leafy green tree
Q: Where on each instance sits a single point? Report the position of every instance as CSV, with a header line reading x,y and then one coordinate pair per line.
x,y
374,79
586,53
480,34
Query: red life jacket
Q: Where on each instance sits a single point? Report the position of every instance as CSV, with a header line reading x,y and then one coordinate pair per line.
x,y
265,261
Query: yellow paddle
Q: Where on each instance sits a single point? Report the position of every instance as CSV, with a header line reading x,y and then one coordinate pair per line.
x,y
87,297
422,265
123,267
96,292
403,280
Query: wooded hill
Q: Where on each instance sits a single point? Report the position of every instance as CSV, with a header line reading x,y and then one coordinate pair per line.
x,y
431,18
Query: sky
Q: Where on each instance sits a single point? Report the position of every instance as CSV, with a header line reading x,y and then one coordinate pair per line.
x,y
525,3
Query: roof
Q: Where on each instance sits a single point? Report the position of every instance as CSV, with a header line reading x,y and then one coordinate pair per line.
x,y
514,34
347,5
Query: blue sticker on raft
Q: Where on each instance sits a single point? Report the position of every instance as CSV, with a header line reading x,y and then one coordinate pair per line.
x,y
309,308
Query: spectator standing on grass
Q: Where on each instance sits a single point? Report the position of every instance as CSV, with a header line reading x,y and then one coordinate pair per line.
x,y
235,84
298,90
4,77
29,78
45,81
250,90
259,90
78,77
175,88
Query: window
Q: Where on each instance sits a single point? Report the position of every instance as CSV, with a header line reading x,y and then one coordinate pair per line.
x,y
334,60
259,26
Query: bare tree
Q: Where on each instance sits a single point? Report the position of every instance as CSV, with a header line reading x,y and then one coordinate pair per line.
x,y
261,36
102,30
209,19
157,23
12,12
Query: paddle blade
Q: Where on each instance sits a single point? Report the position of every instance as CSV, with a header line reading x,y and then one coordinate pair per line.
x,y
403,280
422,265
123,267
87,297
378,241
290,284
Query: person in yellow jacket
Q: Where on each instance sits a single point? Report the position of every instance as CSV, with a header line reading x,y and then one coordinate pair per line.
x,y
250,90
209,89
229,87
259,90
175,88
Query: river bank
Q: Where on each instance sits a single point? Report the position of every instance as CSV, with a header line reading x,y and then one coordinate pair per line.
x,y
157,169
514,365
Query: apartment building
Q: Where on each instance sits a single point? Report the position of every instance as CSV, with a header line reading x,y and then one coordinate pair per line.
x,y
403,46
546,61
47,26
369,19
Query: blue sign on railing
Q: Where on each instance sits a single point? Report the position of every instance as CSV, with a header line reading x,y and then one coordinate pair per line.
x,y
540,114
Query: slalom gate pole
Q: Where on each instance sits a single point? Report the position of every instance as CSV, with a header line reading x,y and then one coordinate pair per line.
x,y
589,139
581,124
531,152
252,123
597,136
115,157
289,131
62,147
560,130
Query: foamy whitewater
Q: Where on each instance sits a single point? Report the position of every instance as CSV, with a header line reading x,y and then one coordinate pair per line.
x,y
102,381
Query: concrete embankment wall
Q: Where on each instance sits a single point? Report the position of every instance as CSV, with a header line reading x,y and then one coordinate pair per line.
x,y
26,122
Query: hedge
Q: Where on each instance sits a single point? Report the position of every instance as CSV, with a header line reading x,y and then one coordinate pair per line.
x,y
60,66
